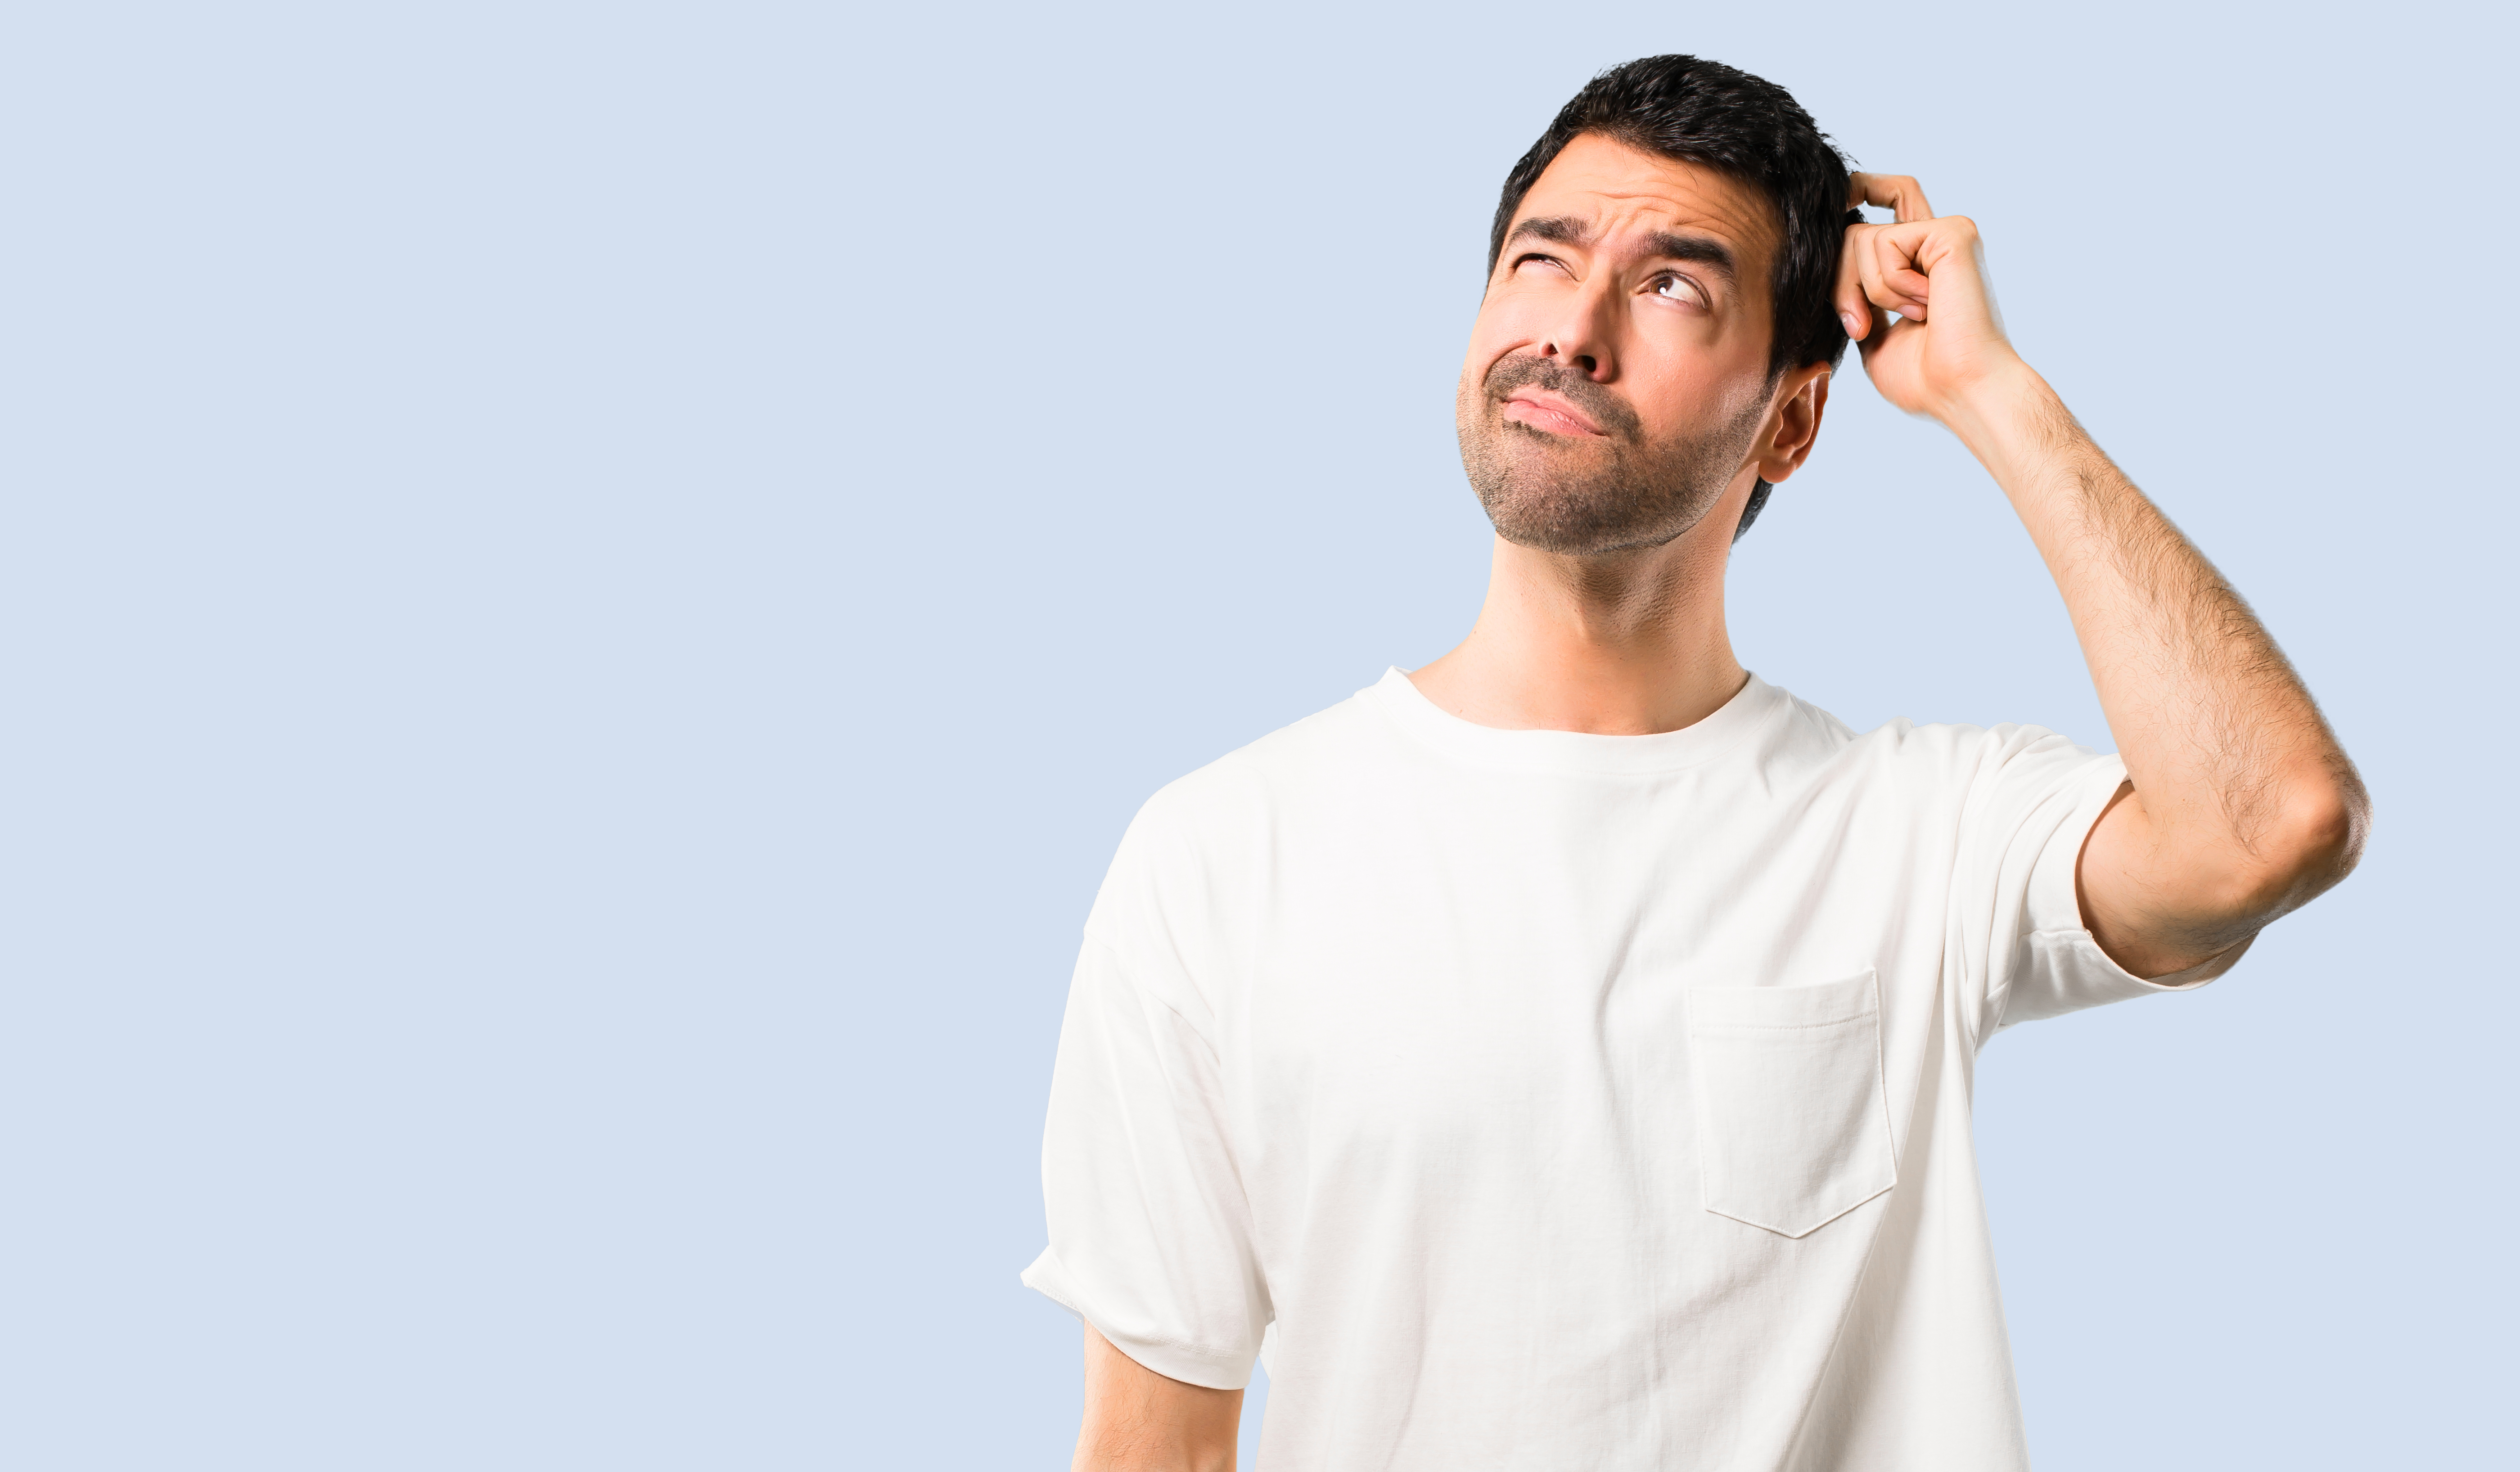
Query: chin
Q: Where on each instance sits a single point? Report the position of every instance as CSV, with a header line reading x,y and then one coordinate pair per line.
x,y
1585,521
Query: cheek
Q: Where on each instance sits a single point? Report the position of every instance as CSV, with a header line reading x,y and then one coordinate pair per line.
x,y
1487,344
1505,323
1684,393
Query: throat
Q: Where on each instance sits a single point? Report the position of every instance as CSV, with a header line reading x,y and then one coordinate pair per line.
x,y
1629,644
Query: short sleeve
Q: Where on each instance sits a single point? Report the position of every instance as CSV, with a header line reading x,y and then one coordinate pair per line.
x,y
1150,1232
2035,799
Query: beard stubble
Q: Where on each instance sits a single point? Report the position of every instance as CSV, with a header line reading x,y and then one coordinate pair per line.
x,y
1544,491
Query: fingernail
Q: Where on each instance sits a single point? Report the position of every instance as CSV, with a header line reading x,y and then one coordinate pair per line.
x,y
1854,329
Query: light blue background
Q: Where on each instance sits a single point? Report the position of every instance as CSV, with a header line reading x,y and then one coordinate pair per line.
x,y
585,592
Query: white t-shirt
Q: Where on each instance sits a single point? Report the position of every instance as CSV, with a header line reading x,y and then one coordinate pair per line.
x,y
1555,1100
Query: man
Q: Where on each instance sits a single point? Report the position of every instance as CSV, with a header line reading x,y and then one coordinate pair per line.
x,y
1559,1056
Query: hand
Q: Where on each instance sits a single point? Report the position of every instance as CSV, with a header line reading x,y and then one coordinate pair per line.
x,y
1949,339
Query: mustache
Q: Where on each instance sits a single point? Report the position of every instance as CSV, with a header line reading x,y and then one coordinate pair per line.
x,y
1607,409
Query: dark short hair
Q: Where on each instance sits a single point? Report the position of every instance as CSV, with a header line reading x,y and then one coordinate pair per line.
x,y
1742,127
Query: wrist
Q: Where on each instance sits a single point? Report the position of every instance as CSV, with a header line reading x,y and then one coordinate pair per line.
x,y
2008,417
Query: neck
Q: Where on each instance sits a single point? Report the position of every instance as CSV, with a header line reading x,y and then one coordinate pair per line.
x,y
1617,643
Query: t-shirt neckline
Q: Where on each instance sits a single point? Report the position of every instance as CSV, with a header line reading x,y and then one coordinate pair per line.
x,y
1579,752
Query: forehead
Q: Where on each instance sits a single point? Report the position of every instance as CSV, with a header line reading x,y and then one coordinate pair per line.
x,y
1619,189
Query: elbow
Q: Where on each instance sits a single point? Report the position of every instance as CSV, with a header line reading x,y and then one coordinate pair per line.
x,y
2315,841
2332,826
2228,886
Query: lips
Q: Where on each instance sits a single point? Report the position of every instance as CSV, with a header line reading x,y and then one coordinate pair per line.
x,y
1546,412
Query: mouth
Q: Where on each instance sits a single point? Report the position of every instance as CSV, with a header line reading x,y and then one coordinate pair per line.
x,y
1546,412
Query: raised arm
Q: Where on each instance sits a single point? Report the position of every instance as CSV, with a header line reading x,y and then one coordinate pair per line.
x,y
1139,1422
2241,804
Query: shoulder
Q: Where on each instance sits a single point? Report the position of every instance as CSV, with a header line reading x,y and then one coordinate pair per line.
x,y
1199,830
1905,752
1289,765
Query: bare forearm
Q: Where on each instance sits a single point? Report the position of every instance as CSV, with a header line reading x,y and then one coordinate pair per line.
x,y
1139,1422
2248,805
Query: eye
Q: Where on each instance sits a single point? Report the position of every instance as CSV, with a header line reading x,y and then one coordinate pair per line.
x,y
1670,286
1521,261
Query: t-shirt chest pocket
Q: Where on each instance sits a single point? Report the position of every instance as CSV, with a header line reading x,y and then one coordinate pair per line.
x,y
1793,1128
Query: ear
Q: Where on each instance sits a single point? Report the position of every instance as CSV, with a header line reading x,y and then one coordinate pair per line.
x,y
1801,398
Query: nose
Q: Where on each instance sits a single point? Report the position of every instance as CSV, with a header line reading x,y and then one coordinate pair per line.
x,y
1581,338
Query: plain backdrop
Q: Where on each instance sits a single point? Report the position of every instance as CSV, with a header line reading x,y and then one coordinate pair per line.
x,y
586,591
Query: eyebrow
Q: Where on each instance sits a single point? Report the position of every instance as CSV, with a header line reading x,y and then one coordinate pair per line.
x,y
1701,249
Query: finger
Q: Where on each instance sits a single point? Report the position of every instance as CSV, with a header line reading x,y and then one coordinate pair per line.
x,y
1897,192
1854,308
1873,265
1895,268
1881,334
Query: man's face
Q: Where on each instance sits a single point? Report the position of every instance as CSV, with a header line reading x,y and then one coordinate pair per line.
x,y
1617,376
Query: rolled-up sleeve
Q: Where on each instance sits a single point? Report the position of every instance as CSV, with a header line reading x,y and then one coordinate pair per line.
x,y
1150,1232
2063,968
2036,805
